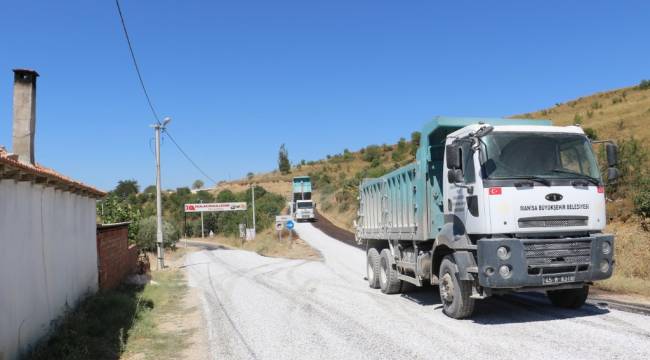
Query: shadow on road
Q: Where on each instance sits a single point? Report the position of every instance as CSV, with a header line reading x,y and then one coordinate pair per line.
x,y
507,309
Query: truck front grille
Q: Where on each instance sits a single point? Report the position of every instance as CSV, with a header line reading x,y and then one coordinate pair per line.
x,y
553,221
554,256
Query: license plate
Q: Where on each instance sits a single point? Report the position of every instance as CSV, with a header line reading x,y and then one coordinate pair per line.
x,y
558,279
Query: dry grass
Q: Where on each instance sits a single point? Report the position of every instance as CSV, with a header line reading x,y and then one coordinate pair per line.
x,y
268,244
632,253
613,114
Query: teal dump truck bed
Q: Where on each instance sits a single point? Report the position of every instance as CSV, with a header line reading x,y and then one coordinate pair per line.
x,y
395,205
301,184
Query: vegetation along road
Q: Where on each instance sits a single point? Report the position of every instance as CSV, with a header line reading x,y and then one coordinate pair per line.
x,y
270,308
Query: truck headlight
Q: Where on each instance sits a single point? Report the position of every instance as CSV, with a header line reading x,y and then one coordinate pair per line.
x,y
504,271
503,253
607,248
604,266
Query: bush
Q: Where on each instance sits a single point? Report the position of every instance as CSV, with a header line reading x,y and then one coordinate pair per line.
x,y
146,238
372,153
415,142
644,85
642,202
632,161
591,133
577,119
113,210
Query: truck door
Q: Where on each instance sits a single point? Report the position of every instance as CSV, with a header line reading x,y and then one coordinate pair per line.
x,y
434,189
460,201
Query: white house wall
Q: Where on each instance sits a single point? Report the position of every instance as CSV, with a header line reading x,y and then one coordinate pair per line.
x,y
48,259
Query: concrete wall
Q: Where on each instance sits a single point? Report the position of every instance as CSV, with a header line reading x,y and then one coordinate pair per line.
x,y
116,258
48,260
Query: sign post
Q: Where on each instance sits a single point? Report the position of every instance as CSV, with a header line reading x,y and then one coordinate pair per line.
x,y
282,222
214,207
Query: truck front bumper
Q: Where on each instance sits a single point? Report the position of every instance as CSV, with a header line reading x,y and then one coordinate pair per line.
x,y
535,263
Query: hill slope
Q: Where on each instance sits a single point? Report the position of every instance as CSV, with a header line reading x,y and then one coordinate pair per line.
x,y
613,114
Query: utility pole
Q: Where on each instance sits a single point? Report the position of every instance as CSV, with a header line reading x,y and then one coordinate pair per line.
x,y
253,196
202,231
159,233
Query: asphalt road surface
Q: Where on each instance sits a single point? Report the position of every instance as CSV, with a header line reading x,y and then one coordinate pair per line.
x,y
268,308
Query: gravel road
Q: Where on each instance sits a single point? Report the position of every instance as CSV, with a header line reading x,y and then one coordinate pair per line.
x,y
268,308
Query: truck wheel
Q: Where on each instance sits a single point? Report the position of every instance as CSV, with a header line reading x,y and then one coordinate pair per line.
x,y
388,281
454,293
373,268
569,298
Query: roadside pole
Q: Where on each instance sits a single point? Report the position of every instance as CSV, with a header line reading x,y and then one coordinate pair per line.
x,y
202,230
253,196
159,233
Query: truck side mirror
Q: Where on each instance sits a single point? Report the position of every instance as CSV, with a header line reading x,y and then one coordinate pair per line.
x,y
612,154
452,153
455,176
612,175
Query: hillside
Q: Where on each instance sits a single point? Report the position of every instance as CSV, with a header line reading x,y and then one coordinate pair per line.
x,y
616,114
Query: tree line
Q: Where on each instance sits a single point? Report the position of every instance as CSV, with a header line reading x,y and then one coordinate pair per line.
x,y
127,203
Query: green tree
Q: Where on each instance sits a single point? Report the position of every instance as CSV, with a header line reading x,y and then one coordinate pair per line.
x,y
372,153
146,237
415,142
125,188
198,184
283,160
113,209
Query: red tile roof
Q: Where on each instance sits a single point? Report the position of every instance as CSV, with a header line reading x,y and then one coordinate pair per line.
x,y
10,161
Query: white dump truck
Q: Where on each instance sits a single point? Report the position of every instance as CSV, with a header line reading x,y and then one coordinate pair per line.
x,y
491,206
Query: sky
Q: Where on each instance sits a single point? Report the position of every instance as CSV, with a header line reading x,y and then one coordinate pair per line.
x,y
240,78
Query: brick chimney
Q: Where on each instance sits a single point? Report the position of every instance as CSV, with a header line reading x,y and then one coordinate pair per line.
x,y
24,114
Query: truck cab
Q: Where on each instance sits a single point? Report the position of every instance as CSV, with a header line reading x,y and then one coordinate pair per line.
x,y
491,206
304,210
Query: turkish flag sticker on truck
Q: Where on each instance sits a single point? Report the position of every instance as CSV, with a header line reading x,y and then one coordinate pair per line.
x,y
494,191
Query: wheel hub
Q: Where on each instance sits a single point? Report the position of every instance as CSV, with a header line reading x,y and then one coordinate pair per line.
x,y
447,288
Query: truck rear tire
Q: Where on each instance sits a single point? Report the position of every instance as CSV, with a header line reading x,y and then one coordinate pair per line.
x,y
454,293
569,298
372,267
388,281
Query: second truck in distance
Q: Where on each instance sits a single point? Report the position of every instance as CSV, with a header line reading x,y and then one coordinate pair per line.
x,y
302,204
491,206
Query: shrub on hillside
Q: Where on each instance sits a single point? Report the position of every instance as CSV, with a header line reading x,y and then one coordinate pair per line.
x,y
642,202
146,238
577,119
632,161
372,153
415,142
591,133
644,85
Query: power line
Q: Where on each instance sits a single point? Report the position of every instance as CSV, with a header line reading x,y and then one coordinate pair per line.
x,y
135,62
188,157
146,94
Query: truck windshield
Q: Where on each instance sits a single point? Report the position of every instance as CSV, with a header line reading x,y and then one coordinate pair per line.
x,y
304,205
510,155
